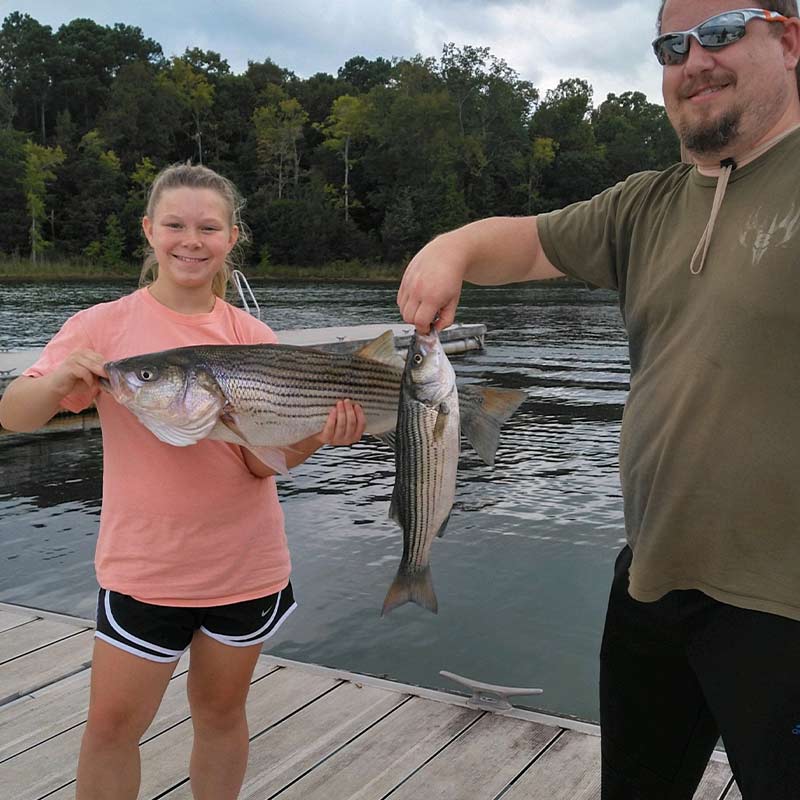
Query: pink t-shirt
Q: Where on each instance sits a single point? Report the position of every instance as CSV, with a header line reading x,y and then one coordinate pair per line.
x,y
180,526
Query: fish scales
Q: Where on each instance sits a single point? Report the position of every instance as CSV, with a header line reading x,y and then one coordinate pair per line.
x,y
272,382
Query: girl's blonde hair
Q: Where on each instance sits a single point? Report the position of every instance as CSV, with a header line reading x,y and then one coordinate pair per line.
x,y
188,176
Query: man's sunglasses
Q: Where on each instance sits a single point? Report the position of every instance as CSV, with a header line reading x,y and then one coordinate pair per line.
x,y
717,31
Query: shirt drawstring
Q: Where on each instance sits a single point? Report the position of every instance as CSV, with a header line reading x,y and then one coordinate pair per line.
x,y
699,258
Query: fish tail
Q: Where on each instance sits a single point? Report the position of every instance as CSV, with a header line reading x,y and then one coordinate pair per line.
x,y
411,587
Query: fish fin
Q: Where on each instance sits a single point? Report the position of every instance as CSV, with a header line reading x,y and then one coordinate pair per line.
x,y
483,410
441,530
388,438
229,422
394,507
414,587
441,421
273,457
382,349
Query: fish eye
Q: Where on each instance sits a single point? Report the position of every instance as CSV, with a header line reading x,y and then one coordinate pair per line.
x,y
418,359
147,374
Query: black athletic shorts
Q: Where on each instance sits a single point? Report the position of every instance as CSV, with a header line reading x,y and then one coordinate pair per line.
x,y
163,633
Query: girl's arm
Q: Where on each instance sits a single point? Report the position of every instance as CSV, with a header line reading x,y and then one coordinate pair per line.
x,y
28,403
344,426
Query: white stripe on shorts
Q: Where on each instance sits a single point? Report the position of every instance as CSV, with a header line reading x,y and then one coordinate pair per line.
x,y
174,654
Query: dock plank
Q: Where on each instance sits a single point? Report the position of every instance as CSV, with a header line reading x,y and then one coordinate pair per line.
x,y
32,636
734,793
279,695
285,752
10,619
38,716
41,715
568,770
51,765
480,763
715,780
30,672
367,767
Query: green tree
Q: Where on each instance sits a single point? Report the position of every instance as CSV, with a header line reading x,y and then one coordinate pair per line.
x,y
195,94
494,110
7,110
91,186
140,120
266,74
579,168
87,60
208,62
27,50
39,165
347,122
14,223
540,155
636,135
564,115
130,217
363,74
279,128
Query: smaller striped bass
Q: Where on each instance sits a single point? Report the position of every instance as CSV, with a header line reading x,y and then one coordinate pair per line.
x,y
427,448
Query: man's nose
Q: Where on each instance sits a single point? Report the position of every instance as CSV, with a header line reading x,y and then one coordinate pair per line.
x,y
699,58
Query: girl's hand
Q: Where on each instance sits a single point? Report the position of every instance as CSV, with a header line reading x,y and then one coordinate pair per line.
x,y
345,424
28,403
81,366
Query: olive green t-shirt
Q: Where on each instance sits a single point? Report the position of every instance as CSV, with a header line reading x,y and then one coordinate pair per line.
x,y
710,442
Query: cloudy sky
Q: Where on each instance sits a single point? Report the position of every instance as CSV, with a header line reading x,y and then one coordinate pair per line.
x,y
605,42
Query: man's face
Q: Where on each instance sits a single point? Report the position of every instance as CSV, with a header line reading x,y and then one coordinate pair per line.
x,y
724,98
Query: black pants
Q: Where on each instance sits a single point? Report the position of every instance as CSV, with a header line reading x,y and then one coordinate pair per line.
x,y
677,674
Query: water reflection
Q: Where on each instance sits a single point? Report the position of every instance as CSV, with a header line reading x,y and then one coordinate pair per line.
x,y
523,570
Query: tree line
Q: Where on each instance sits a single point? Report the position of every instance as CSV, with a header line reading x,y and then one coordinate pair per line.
x,y
366,165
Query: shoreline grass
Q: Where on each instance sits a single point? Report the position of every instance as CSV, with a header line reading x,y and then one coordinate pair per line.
x,y
24,270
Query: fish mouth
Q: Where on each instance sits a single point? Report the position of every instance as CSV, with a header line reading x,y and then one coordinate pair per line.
x,y
424,343
115,385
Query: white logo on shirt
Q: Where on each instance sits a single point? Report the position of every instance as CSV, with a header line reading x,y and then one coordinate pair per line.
x,y
760,234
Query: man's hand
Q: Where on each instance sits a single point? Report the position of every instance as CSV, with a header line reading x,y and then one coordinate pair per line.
x,y
431,285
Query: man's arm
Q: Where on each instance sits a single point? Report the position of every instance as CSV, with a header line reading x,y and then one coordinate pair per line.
x,y
489,252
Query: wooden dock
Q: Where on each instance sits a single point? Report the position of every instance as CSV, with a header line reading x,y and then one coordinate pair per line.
x,y
316,733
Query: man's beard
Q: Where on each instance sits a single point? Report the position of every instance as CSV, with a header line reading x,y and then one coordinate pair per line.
x,y
711,137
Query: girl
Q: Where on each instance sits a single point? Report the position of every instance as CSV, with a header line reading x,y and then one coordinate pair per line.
x,y
191,550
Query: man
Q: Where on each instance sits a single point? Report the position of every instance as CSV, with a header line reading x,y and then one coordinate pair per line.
x,y
702,636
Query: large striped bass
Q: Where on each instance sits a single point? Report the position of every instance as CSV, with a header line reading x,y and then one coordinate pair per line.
x,y
427,447
264,397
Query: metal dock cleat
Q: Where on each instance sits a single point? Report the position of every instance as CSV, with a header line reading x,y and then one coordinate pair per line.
x,y
487,696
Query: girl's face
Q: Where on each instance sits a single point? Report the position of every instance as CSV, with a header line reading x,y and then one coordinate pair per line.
x,y
191,235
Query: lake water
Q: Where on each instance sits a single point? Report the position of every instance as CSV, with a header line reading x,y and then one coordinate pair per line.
x,y
523,571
